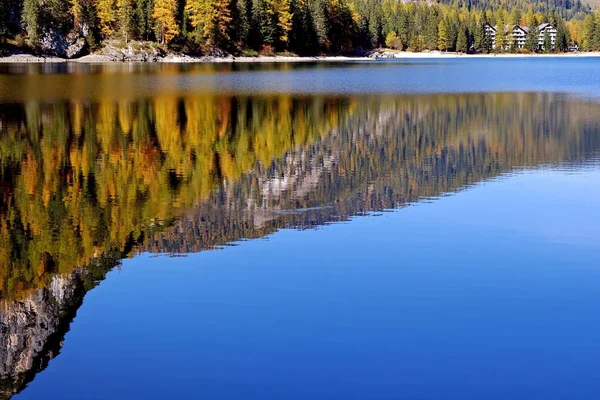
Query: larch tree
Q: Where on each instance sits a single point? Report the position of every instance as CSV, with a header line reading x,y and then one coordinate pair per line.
x,y
442,36
284,20
211,17
500,31
165,24
105,12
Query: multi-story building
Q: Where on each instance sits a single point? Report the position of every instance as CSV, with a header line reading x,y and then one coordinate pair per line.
x,y
517,35
543,28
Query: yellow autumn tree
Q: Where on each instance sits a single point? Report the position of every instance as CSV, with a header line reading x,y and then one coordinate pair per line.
x,y
211,17
105,11
76,11
284,19
164,19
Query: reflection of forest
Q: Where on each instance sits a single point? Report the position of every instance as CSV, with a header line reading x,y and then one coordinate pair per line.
x,y
82,182
80,179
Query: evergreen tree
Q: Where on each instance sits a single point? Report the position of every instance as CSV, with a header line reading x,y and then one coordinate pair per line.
x,y
547,42
589,27
595,43
143,14
531,41
31,19
442,36
562,37
126,12
500,32
264,22
461,41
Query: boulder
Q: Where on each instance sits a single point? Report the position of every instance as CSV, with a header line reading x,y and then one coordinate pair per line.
x,y
76,49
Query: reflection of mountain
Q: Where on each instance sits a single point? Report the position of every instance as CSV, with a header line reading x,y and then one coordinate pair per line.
x,y
32,329
80,181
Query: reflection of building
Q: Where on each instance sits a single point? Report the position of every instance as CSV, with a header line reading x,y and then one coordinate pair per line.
x,y
517,35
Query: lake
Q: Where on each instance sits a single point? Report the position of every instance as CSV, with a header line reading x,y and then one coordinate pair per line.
x,y
418,229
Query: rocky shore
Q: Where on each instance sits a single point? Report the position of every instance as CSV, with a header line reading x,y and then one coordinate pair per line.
x,y
151,52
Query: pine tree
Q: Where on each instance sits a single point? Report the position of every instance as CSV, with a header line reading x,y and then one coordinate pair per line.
x,y
562,37
442,36
589,27
531,41
547,42
461,41
126,12
595,42
478,33
31,19
500,32
143,13
165,23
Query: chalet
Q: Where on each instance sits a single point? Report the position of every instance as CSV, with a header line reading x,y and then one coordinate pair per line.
x,y
517,35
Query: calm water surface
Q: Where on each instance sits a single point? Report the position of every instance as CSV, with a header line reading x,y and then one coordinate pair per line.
x,y
373,230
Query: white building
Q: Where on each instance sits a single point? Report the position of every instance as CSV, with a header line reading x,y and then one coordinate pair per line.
x,y
518,35
551,31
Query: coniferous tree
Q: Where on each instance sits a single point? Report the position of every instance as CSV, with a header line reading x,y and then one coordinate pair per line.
x,y
547,42
531,41
126,13
500,32
165,23
442,36
461,41
589,27
31,19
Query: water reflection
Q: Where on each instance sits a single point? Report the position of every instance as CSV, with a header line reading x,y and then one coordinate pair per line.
x,y
86,183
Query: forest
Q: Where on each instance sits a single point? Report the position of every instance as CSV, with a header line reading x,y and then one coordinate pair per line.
x,y
303,27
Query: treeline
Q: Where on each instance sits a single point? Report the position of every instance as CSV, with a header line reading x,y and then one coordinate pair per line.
x,y
266,26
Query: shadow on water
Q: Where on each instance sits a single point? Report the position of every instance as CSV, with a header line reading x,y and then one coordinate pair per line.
x,y
86,183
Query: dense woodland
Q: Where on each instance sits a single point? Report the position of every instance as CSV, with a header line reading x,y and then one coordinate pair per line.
x,y
173,174
297,26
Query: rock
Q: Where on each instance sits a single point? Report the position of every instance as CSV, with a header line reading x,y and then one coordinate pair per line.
x,y
76,49
53,42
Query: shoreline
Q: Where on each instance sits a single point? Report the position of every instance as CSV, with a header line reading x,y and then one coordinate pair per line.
x,y
184,59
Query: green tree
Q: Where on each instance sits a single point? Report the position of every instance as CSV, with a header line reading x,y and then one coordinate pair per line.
x,y
500,32
547,42
531,41
442,36
461,41
589,27
31,19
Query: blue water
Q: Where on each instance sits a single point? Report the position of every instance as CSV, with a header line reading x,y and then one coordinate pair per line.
x,y
488,293
443,243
